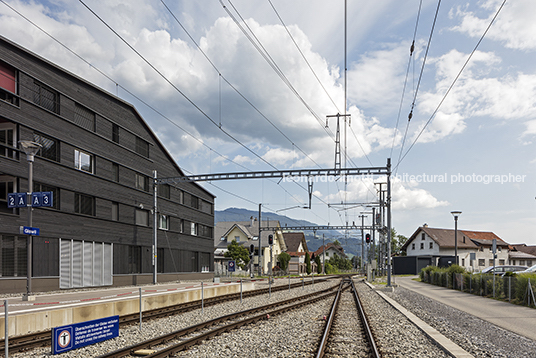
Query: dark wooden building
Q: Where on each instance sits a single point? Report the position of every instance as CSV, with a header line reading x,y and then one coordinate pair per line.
x,y
97,157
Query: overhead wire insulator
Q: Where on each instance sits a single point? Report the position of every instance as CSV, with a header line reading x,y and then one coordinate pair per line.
x,y
412,48
410,115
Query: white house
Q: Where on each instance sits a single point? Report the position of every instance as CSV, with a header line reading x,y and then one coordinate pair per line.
x,y
440,243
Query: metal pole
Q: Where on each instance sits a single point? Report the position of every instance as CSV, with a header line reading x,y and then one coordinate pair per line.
x,y
202,299
269,288
259,256
30,237
362,242
140,309
456,239
155,227
240,291
313,279
389,222
289,280
323,256
6,326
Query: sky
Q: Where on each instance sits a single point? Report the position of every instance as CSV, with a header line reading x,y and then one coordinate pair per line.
x,y
241,85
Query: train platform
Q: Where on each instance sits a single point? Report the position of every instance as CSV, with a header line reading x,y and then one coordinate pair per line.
x,y
515,318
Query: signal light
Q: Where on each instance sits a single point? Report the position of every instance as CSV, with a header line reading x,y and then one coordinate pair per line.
x,y
367,238
270,239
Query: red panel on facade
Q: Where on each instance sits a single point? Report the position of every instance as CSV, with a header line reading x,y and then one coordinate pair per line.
x,y
7,78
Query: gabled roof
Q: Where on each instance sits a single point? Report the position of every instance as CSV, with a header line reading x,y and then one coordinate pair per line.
x,y
293,240
466,239
525,248
249,228
331,246
520,255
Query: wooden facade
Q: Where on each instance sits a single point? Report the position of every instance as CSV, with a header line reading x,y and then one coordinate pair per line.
x,y
97,157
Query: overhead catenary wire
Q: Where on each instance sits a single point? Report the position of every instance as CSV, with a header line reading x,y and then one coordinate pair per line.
x,y
411,51
410,115
452,84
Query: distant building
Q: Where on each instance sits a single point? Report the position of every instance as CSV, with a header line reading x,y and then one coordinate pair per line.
x,y
329,251
438,245
97,158
297,249
246,233
522,254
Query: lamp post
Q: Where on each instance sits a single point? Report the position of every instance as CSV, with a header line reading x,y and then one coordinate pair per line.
x,y
456,214
30,148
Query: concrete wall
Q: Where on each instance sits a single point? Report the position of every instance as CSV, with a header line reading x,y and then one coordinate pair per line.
x,y
20,324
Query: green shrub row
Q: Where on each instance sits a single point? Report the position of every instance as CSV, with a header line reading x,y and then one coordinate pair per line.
x,y
510,287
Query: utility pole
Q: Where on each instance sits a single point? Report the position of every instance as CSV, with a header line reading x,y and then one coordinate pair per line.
x,y
259,255
362,241
155,227
323,256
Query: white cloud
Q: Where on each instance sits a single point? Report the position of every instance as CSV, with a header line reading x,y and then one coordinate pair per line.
x,y
515,25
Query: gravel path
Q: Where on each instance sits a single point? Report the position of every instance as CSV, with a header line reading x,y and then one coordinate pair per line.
x,y
476,336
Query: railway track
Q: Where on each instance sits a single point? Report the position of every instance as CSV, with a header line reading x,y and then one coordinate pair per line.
x,y
43,339
169,344
347,332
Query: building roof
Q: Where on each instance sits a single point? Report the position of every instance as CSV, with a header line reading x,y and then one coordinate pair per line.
x,y
525,248
466,239
331,246
293,240
249,228
520,255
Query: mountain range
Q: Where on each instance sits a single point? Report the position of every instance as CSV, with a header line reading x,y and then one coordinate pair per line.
x,y
351,245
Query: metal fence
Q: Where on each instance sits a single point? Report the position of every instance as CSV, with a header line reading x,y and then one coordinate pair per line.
x,y
516,289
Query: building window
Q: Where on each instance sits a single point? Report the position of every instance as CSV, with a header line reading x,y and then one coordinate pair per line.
x,y
115,172
83,161
164,191
163,222
46,97
481,262
521,262
501,262
142,182
142,147
431,245
237,238
8,84
115,211
499,248
55,193
84,204
7,185
181,226
50,147
194,202
413,246
7,141
422,246
142,217
115,132
84,117
463,262
423,236
193,229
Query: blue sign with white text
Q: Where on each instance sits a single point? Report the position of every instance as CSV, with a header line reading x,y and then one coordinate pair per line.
x,y
81,334
38,199
232,265
28,230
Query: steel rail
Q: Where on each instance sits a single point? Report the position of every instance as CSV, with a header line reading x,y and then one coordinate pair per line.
x,y
43,339
368,333
329,322
303,300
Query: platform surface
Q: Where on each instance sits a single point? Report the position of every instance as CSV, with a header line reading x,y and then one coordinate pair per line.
x,y
515,318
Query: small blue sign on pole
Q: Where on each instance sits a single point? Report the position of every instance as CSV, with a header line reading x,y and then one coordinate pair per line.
x,y
231,266
27,230
47,198
16,200
37,199
81,334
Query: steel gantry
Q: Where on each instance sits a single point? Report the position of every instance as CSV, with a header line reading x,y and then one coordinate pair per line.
x,y
291,175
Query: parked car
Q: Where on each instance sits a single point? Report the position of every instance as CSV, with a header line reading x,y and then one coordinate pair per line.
x,y
531,269
502,269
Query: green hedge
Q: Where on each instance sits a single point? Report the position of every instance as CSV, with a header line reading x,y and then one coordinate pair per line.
x,y
510,287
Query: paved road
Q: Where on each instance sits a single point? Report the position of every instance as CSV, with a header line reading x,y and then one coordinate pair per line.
x,y
518,319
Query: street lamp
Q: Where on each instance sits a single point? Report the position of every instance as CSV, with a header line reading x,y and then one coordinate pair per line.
x,y
456,214
31,149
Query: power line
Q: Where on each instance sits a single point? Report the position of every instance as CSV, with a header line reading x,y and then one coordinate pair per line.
x,y
410,115
452,84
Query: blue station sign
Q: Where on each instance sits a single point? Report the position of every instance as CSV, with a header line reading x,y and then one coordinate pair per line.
x,y
78,335
28,230
231,266
38,199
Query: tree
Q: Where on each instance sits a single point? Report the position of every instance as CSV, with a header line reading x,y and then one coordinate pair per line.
x,y
337,242
397,241
340,263
238,253
318,264
283,259
307,263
